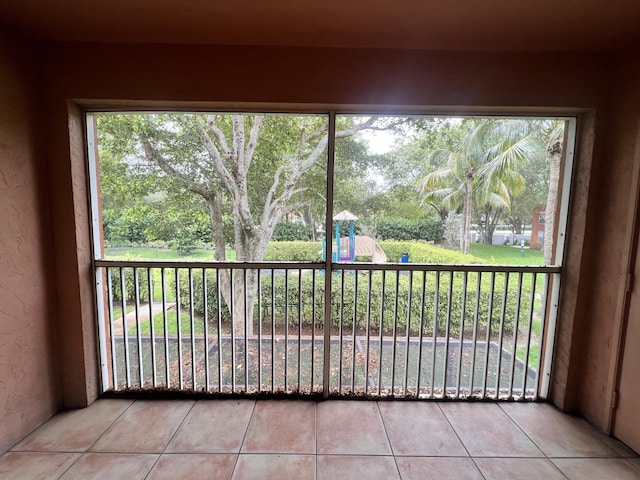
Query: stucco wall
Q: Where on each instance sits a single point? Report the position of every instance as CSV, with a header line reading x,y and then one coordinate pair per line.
x,y
28,376
467,82
607,248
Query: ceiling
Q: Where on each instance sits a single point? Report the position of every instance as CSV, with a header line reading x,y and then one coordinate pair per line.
x,y
503,25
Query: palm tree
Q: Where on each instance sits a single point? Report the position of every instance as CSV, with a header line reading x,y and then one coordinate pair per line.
x,y
480,172
553,137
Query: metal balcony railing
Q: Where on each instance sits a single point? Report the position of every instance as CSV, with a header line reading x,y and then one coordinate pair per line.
x,y
401,330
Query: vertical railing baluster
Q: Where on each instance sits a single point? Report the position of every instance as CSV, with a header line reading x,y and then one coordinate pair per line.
x,y
112,332
205,306
219,312
368,333
395,333
341,326
232,310
503,315
299,329
406,357
353,331
527,352
123,301
313,328
245,316
165,326
259,330
543,325
476,314
463,314
381,331
136,300
273,332
423,299
179,325
152,330
516,325
192,315
488,344
446,335
434,346
286,330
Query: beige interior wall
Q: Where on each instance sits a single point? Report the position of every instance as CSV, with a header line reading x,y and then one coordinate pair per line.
x,y
28,374
462,82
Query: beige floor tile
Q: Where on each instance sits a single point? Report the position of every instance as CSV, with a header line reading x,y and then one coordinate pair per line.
x,y
114,466
146,427
421,468
520,468
419,429
486,431
213,426
176,466
282,426
75,430
351,428
597,468
347,467
40,465
257,466
557,434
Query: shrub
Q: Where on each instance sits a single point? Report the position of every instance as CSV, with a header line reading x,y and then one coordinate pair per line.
x,y
129,284
186,295
425,253
404,229
291,232
293,251
292,297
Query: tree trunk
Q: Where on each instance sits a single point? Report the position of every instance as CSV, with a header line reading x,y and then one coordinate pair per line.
x,y
466,216
490,223
554,153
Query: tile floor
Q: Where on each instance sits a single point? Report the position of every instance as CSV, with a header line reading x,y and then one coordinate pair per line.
x,y
286,439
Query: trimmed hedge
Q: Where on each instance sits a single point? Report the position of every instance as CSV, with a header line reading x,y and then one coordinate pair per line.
x,y
291,232
293,251
295,299
404,229
129,284
425,253
376,305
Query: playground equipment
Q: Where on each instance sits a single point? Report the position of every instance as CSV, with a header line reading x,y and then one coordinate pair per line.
x,y
346,248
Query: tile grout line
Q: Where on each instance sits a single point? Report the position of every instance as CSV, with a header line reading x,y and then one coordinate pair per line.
x,y
171,438
531,440
386,432
244,437
460,440
86,450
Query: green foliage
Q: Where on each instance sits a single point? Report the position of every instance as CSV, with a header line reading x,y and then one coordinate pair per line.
x,y
293,299
403,229
425,253
215,305
128,275
293,251
291,232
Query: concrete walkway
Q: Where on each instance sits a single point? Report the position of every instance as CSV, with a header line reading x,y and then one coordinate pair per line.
x,y
143,315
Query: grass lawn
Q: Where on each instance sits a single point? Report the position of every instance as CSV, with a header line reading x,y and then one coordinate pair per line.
x,y
147,253
506,255
172,324
117,310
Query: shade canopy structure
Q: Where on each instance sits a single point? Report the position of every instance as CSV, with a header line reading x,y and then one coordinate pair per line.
x,y
345,216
